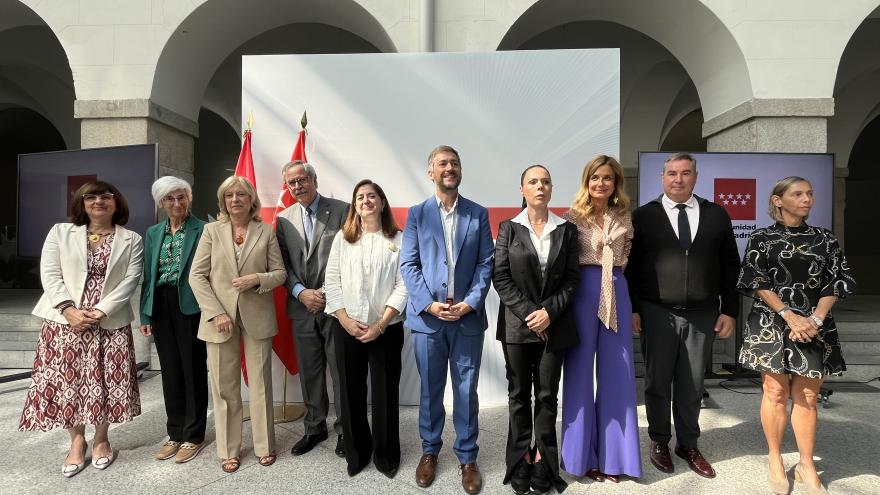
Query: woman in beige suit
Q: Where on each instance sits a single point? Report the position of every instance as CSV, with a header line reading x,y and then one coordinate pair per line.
x,y
84,370
236,266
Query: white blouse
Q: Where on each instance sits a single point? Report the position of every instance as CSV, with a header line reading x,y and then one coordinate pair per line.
x,y
542,243
364,277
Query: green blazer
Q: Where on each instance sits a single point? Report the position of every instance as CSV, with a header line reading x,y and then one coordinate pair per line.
x,y
152,244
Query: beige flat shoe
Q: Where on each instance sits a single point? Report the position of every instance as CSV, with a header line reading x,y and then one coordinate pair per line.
x,y
167,450
188,451
71,470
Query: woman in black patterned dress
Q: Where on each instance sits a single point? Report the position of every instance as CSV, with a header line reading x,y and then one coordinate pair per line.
x,y
795,273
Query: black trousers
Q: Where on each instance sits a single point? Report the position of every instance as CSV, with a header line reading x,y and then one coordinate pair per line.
x,y
382,358
676,345
184,367
532,366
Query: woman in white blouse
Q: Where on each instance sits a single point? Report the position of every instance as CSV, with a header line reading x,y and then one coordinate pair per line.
x,y
366,295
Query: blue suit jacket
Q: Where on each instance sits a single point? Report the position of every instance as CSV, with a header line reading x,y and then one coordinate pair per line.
x,y
424,270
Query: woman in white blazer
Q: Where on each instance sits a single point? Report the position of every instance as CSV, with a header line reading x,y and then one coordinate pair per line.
x,y
84,371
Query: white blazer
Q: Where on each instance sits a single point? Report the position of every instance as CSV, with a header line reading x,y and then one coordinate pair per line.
x,y
63,272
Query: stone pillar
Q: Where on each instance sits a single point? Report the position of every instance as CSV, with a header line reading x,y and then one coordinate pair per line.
x,y
105,123
780,126
121,122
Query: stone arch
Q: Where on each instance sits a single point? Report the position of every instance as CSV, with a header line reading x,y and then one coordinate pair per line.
x,y
34,69
688,29
213,30
853,134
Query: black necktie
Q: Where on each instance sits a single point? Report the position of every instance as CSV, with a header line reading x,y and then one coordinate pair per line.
x,y
684,227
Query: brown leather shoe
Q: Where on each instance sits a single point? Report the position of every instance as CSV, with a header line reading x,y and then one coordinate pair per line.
x,y
696,461
471,480
426,470
660,457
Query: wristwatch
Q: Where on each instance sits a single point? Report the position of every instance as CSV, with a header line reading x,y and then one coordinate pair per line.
x,y
782,311
816,320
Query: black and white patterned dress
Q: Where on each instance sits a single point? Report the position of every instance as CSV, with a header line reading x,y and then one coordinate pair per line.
x,y
801,265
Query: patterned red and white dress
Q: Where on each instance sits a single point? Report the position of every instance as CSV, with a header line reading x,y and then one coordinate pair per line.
x,y
85,377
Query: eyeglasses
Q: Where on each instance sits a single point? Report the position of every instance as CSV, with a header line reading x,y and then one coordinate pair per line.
x,y
91,198
296,182
174,199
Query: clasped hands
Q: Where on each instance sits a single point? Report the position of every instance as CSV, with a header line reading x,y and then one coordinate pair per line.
x,y
801,328
80,319
361,331
449,312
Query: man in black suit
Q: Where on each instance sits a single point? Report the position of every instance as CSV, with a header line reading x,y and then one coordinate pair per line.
x,y
682,275
305,233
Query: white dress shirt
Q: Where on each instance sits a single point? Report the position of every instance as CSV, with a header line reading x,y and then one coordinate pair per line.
x,y
364,277
543,243
692,211
449,219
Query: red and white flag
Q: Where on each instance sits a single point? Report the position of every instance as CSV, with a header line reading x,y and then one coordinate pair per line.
x,y
282,342
737,196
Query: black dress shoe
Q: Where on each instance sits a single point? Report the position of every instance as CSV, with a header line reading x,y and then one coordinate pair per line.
x,y
340,446
307,443
522,476
541,482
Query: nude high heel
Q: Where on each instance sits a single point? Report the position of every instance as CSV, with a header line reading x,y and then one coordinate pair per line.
x,y
811,490
779,487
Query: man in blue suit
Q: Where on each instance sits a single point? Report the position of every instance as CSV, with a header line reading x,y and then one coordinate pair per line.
x,y
446,263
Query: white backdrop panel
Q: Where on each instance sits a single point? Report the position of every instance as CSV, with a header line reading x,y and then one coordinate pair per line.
x,y
378,115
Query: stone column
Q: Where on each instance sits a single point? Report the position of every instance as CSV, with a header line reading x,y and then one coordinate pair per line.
x,y
105,123
780,126
120,122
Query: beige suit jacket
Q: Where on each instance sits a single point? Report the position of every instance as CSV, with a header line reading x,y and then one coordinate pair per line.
x,y
63,272
213,269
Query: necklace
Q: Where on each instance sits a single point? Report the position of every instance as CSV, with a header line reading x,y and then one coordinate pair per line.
x,y
95,237
239,239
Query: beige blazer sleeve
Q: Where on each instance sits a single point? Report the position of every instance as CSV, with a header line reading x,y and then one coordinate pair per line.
x,y
213,268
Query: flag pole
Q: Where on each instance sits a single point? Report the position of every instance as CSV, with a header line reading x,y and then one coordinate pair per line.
x,y
286,413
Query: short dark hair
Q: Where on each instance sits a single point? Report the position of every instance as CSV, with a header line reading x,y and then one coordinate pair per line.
x,y
78,211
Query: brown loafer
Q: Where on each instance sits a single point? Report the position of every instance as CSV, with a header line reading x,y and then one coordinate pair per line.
x,y
696,461
660,457
188,451
471,480
426,470
167,450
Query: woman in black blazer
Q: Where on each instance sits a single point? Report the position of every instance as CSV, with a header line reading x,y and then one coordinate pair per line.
x,y
536,273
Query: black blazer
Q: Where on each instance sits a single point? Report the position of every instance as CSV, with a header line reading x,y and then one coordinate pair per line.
x,y
522,289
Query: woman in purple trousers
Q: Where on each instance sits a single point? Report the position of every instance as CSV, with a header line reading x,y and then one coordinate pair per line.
x,y
600,438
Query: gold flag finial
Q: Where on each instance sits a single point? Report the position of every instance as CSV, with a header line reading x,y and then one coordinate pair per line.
x,y
250,120
305,121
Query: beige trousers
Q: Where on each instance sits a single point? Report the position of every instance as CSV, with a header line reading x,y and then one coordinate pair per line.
x,y
224,366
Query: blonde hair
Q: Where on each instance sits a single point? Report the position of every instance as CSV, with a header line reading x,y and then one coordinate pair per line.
x,y
779,189
228,184
582,208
